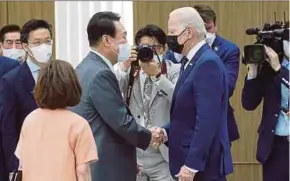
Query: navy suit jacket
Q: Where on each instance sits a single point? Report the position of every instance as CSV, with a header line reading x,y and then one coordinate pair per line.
x,y
17,99
229,53
197,134
6,64
265,87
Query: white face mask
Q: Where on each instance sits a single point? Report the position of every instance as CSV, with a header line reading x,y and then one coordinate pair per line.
x,y
286,48
178,57
156,58
124,52
210,38
13,53
42,53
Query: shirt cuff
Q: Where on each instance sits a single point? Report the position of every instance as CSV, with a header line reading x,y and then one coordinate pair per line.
x,y
250,77
165,135
191,170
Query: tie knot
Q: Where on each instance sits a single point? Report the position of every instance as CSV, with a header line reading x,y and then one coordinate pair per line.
x,y
184,60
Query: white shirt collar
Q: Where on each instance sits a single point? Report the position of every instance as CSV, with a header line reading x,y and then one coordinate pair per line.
x,y
211,40
107,61
194,50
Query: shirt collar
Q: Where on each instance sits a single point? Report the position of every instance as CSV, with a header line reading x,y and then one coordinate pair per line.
x,y
194,50
32,66
107,61
211,41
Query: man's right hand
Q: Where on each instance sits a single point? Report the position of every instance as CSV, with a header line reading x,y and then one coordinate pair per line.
x,y
124,66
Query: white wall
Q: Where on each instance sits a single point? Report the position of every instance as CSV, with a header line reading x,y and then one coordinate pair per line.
x,y
71,19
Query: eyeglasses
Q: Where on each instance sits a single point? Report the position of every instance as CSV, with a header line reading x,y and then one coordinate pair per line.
x,y
38,43
8,44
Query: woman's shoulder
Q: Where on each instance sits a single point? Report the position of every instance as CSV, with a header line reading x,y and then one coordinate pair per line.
x,y
75,118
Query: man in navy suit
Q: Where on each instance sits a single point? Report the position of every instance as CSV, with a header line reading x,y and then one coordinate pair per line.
x,y
271,85
6,64
228,52
198,141
16,95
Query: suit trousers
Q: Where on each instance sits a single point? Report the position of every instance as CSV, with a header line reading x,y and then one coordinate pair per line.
x,y
276,168
155,167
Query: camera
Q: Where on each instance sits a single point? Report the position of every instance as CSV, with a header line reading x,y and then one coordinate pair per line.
x,y
145,53
272,35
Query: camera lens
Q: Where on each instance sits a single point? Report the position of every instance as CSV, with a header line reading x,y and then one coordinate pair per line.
x,y
145,53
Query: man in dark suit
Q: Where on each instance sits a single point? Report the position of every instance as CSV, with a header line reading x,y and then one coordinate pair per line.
x,y
199,147
116,132
6,64
271,86
16,96
228,52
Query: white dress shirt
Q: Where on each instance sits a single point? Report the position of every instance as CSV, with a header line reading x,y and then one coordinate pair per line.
x,y
193,51
107,61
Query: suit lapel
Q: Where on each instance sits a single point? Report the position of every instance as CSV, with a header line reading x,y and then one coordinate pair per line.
x,y
216,45
27,78
186,72
153,94
137,92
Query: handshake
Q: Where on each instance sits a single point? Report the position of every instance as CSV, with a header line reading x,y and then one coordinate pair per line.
x,y
158,136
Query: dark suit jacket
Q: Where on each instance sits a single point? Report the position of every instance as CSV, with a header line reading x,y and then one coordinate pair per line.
x,y
16,97
267,88
229,53
198,136
115,130
6,64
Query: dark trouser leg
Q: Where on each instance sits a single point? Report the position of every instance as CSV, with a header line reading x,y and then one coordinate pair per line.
x,y
276,167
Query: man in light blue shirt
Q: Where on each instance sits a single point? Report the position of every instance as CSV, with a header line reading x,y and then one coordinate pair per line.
x,y
16,95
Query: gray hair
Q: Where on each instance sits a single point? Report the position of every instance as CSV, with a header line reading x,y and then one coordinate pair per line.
x,y
189,17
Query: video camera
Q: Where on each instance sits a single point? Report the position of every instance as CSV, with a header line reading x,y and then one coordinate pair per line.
x,y
272,35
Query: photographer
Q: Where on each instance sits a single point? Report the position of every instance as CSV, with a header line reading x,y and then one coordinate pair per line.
x,y
151,95
271,85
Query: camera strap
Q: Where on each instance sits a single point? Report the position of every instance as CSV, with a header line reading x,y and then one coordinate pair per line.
x,y
164,67
134,72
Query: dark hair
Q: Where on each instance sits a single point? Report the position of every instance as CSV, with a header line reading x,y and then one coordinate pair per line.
x,y
206,13
33,25
8,29
151,31
57,86
102,23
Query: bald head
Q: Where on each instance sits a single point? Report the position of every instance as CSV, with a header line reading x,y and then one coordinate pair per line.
x,y
186,17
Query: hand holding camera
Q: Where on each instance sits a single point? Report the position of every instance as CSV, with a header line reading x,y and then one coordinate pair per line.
x,y
273,59
151,68
133,57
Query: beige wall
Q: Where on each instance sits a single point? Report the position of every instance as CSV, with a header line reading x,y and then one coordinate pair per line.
x,y
233,18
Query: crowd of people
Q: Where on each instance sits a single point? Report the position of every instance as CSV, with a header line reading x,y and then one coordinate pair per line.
x,y
121,117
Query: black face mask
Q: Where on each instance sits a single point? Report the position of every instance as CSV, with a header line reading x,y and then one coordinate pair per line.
x,y
173,44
